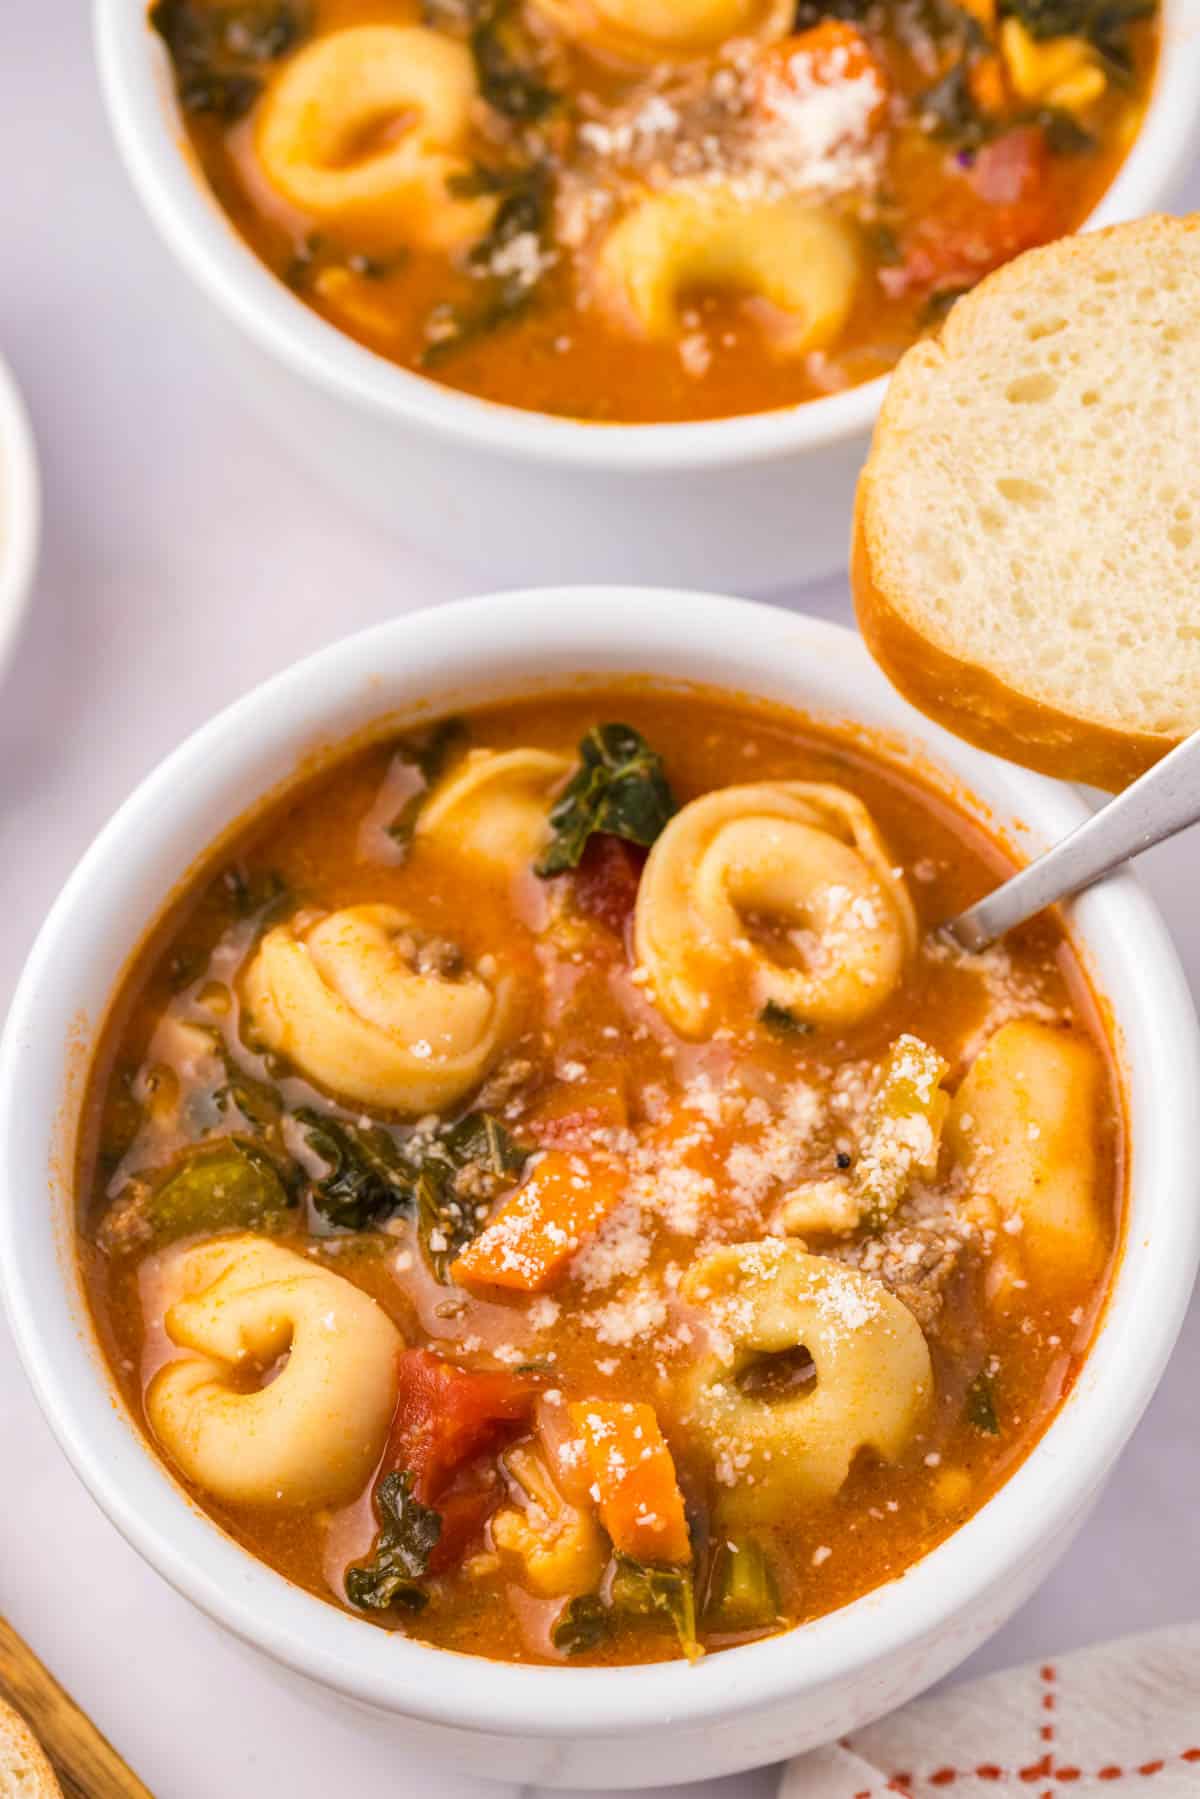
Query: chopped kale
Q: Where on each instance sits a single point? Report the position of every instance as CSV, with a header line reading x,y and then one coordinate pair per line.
x,y
459,1173
1063,133
948,109
741,1593
408,1535
260,895
1104,24
648,1590
508,78
777,1018
219,51
430,753
619,787
260,1104
446,1181
366,1178
981,1405
226,1185
524,209
583,1623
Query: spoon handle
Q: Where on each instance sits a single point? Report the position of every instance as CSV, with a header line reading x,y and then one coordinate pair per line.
x,y
1162,801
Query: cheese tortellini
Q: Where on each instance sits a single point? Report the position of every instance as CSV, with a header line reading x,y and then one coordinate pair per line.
x,y
1023,1128
779,893
654,31
870,1386
366,1008
494,807
314,1430
799,261
366,128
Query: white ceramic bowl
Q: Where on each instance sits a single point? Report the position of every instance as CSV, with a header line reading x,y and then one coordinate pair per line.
x,y
20,513
564,1726
749,503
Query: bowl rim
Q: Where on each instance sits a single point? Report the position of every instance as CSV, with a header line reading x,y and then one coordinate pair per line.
x,y
149,132
603,630
20,513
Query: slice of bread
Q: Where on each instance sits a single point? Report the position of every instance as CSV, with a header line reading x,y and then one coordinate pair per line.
x,y
25,1772
1026,554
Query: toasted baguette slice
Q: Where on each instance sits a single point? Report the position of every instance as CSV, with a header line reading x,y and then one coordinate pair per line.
x,y
24,1771
1026,555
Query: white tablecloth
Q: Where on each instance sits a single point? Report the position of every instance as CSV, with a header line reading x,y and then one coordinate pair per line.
x,y
185,558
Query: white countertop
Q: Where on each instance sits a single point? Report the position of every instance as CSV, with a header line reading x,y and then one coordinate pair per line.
x,y
185,558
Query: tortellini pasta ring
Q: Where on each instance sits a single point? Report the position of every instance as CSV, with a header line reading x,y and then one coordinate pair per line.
x,y
653,31
801,262
365,127
872,1377
802,858
1023,1127
494,807
312,1433
348,1003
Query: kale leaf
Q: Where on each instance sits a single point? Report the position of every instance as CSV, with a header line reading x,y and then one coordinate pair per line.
x,y
508,80
650,1589
777,1018
460,1172
408,1535
219,51
445,1181
524,209
619,787
981,1405
583,1622
948,109
366,1178
1104,24
430,754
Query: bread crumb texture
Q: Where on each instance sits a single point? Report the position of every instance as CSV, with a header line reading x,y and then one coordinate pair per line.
x,y
1032,502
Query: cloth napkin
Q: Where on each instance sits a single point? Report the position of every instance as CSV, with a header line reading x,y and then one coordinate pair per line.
x,y
1119,1720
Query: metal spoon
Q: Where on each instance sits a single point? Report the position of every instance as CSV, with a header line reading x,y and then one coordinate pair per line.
x,y
1162,801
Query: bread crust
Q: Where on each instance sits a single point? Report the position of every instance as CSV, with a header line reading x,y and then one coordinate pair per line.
x,y
965,696
16,1734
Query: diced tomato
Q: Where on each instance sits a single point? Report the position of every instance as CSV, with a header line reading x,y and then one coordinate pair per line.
x,y
1002,206
446,1416
528,1243
828,54
465,1509
1011,170
606,882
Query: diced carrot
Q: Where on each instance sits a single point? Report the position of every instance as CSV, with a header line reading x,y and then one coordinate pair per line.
x,y
639,1498
824,56
537,1230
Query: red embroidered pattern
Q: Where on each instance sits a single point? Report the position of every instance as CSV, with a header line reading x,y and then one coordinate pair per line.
x,y
1046,1768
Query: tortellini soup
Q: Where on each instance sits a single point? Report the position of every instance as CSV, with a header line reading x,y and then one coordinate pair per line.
x,y
547,1189
652,210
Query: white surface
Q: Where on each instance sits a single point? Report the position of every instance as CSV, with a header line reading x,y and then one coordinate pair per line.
x,y
185,558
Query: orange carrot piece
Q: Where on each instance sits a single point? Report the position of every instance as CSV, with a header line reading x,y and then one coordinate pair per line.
x,y
639,1498
825,55
530,1240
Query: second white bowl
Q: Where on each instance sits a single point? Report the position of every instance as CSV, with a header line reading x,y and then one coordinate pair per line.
x,y
753,502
